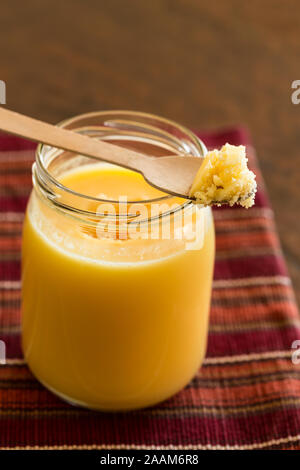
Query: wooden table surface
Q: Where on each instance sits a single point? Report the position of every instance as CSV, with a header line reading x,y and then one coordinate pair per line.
x,y
204,64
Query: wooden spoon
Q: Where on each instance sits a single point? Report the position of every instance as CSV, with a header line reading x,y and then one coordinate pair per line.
x,y
171,174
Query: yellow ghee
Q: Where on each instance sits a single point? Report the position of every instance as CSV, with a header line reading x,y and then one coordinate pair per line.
x,y
110,323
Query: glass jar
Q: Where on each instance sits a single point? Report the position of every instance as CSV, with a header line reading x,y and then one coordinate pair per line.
x,y
112,318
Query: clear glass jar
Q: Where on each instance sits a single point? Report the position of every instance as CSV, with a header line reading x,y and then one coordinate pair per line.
x,y
114,322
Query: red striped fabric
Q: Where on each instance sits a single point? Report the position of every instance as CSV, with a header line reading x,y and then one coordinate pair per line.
x,y
247,394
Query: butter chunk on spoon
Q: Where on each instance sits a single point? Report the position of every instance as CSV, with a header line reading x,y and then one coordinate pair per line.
x,y
171,174
223,177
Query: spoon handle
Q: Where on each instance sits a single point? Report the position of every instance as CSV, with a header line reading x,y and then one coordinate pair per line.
x,y
58,137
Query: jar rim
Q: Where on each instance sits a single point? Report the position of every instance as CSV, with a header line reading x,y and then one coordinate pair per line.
x,y
197,149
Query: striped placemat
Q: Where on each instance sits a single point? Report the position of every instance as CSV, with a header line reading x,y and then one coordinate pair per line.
x,y
247,394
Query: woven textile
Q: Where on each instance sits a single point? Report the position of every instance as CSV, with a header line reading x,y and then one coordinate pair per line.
x,y
246,395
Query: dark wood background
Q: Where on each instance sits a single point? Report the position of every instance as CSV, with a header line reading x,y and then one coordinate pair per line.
x,y
203,63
